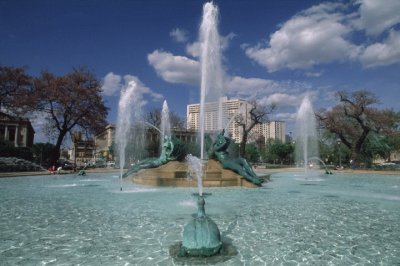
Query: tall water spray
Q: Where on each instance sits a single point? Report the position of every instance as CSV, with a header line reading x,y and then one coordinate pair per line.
x,y
306,133
196,169
211,67
165,122
128,110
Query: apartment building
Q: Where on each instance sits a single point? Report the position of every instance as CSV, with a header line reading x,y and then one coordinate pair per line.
x,y
271,130
213,121
230,110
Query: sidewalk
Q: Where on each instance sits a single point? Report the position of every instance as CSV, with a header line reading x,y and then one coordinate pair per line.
x,y
46,172
347,171
259,171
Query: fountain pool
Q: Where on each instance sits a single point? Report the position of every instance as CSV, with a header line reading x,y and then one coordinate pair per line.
x,y
70,220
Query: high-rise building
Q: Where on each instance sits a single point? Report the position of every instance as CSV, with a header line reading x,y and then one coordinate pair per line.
x,y
271,130
230,110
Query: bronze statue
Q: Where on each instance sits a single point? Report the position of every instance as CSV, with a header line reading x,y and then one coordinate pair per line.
x,y
239,165
168,153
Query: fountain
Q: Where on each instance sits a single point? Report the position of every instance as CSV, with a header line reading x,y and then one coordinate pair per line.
x,y
165,122
201,236
306,139
129,103
349,219
223,170
327,171
211,68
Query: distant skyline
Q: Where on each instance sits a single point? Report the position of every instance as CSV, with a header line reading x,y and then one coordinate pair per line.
x,y
274,51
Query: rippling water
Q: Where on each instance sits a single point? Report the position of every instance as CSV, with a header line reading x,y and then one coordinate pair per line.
x,y
71,220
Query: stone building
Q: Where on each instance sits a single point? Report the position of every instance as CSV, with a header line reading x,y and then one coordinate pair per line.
x,y
16,130
104,142
82,150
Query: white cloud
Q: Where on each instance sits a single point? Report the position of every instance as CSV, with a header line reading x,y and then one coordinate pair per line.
x,y
141,89
314,36
175,69
268,91
382,54
193,49
111,84
285,116
250,87
377,16
282,100
313,74
226,40
179,35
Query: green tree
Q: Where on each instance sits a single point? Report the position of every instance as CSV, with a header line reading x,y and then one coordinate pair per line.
x,y
252,153
9,150
42,153
280,151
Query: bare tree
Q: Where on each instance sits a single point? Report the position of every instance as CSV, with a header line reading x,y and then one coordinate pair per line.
x,y
153,117
14,84
258,114
354,118
68,102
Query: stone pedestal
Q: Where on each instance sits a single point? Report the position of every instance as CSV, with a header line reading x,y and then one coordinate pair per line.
x,y
176,174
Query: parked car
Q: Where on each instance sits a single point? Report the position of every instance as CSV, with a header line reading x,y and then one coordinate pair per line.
x,y
101,163
96,163
65,164
110,164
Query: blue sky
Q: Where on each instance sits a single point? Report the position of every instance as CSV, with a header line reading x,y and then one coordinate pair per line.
x,y
274,51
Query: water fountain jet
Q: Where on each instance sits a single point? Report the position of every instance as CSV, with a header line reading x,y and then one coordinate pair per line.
x,y
306,139
201,236
126,107
165,122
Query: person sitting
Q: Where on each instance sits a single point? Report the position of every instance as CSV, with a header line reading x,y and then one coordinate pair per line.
x,y
52,169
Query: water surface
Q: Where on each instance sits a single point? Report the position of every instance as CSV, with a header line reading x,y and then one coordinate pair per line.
x,y
292,220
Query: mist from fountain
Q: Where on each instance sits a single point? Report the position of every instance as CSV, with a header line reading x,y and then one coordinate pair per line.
x,y
306,134
129,110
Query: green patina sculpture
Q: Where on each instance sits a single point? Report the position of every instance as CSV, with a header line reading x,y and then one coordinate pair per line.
x,y
165,157
171,150
239,165
201,236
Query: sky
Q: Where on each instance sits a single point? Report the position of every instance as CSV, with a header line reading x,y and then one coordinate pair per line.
x,y
273,51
